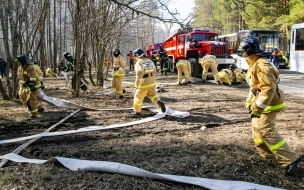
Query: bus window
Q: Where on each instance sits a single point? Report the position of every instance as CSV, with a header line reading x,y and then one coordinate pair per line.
x,y
299,39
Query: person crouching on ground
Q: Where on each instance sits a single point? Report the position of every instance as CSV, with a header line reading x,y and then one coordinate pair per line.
x,y
183,67
145,82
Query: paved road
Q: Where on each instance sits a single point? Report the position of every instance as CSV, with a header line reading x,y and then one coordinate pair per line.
x,y
292,82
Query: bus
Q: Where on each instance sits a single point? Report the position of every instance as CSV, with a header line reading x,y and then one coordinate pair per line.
x,y
297,48
269,40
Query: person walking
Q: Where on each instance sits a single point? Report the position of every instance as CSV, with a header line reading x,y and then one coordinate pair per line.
x,y
183,71
118,73
276,57
162,53
29,75
265,100
3,65
210,61
145,83
131,60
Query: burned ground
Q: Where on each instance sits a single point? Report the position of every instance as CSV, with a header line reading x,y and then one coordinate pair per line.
x,y
214,142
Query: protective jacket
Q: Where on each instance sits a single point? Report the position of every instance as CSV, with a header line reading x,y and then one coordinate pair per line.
x,y
238,76
118,73
49,72
183,66
226,76
23,89
30,74
263,79
145,83
210,61
163,60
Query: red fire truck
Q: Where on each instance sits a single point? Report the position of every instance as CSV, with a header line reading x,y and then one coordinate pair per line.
x,y
193,45
152,47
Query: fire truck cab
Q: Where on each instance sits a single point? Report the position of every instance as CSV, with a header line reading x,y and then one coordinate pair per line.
x,y
192,45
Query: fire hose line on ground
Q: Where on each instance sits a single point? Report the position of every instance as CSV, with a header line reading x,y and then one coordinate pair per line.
x,y
113,167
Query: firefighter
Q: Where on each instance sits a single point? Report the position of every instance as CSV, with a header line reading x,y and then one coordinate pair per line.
x,y
145,82
183,67
210,61
50,73
238,76
69,66
28,75
225,76
118,73
276,57
162,53
265,100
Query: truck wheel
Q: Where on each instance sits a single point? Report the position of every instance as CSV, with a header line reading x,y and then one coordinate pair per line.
x,y
196,68
171,66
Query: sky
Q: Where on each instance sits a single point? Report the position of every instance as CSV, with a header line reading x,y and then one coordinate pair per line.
x,y
184,7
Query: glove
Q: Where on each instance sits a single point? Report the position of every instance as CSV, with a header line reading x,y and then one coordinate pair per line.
x,y
42,87
32,87
255,112
248,107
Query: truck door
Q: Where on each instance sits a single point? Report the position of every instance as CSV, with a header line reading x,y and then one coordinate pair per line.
x,y
187,43
181,46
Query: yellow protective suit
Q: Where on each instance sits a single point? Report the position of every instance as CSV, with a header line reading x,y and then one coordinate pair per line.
x,y
238,76
23,90
183,66
118,73
50,73
31,73
225,76
210,61
145,83
266,99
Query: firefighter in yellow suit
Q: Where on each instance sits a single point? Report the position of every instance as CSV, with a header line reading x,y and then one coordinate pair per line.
x,y
265,100
49,72
145,82
118,73
28,73
183,66
210,61
225,76
238,76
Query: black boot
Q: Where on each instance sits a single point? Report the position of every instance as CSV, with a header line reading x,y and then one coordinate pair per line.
x,y
123,91
219,82
162,106
204,81
291,167
121,97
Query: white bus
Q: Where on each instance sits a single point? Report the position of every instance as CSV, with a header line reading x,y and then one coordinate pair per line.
x,y
297,48
269,40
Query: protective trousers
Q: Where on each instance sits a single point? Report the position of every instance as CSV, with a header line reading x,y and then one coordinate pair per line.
x,y
183,69
269,142
117,85
213,68
163,65
32,103
131,64
23,94
140,95
224,77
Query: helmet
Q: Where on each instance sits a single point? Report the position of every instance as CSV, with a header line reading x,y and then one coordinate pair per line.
x,y
138,52
66,54
116,49
275,49
22,58
252,46
232,66
161,47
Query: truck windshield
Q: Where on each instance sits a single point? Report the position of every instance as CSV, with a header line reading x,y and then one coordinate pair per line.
x,y
204,37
